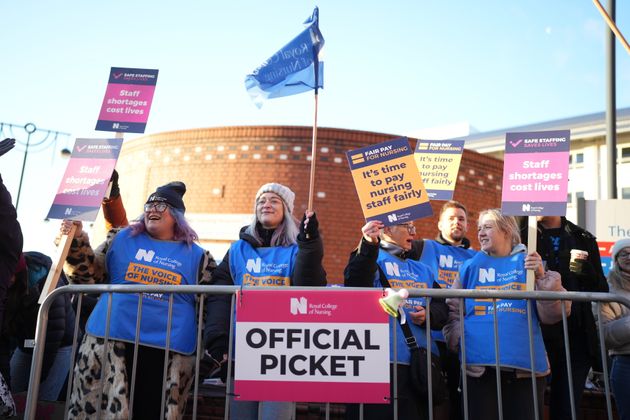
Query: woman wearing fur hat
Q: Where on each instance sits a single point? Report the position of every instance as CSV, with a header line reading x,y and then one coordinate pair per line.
x,y
273,239
158,248
616,326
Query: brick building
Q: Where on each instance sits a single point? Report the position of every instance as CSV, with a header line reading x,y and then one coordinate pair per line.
x,y
223,168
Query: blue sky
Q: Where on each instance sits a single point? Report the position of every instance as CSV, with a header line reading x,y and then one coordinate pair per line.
x,y
393,67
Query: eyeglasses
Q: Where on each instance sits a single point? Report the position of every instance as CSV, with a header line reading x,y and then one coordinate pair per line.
x,y
410,228
623,254
158,207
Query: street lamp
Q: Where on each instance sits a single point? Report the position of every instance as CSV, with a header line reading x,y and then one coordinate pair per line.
x,y
30,129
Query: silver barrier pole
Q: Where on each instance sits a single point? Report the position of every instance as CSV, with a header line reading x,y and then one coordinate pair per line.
x,y
169,321
497,361
134,363
462,303
602,348
395,366
565,332
427,329
104,359
532,358
200,351
75,338
229,385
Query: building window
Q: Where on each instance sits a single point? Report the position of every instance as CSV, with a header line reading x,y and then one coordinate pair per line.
x,y
579,194
625,192
569,198
579,158
625,152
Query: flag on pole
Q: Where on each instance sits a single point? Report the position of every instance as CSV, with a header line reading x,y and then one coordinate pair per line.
x,y
294,69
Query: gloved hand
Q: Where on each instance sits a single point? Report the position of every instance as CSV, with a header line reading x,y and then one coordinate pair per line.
x,y
115,192
309,227
6,145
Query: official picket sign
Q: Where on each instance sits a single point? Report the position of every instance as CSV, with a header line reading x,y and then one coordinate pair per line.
x,y
318,346
438,162
127,100
86,178
535,173
388,182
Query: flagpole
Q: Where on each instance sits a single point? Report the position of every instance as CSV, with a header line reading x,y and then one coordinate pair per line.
x,y
313,157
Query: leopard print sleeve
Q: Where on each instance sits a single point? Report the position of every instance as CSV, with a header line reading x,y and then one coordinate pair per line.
x,y
208,264
85,265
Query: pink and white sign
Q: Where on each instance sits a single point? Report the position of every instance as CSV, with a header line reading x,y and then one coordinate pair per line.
x,y
535,173
86,178
127,100
318,346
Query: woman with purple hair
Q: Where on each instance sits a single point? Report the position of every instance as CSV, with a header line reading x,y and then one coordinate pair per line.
x,y
157,249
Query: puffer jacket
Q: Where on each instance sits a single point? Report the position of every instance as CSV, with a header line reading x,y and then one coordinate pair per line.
x,y
22,309
616,316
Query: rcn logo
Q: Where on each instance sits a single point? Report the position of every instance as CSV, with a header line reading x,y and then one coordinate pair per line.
x,y
486,275
299,306
446,261
143,254
391,268
253,265
392,217
527,207
115,125
68,211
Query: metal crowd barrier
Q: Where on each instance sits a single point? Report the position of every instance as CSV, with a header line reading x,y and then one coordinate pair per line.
x,y
493,295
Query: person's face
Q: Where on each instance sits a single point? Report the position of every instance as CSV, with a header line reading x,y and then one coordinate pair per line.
x,y
623,259
453,225
159,220
492,240
269,210
401,235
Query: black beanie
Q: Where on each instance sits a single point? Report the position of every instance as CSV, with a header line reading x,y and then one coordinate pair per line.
x,y
170,194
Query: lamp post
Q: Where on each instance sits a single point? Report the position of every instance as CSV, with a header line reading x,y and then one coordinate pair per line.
x,y
30,130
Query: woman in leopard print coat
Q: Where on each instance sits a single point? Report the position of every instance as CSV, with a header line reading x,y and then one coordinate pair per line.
x,y
161,232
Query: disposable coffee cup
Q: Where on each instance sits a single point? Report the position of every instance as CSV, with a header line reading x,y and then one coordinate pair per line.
x,y
578,257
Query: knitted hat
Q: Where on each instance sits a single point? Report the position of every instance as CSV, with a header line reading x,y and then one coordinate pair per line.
x,y
618,246
171,194
283,192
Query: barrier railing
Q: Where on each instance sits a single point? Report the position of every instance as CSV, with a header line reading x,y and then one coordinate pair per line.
x,y
492,295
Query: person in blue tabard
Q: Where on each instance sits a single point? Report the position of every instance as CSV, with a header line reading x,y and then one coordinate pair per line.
x,y
445,255
502,264
156,249
384,251
273,251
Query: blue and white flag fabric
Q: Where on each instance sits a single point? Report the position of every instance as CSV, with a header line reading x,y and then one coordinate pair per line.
x,y
295,68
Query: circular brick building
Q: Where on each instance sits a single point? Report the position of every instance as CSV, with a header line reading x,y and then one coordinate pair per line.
x,y
223,168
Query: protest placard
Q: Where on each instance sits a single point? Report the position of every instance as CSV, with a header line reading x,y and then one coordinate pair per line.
x,y
438,162
535,173
127,100
85,181
319,346
388,182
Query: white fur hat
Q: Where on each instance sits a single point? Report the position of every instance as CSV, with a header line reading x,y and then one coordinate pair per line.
x,y
283,192
618,246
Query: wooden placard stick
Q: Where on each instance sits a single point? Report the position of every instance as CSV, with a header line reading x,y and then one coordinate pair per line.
x,y
532,236
57,264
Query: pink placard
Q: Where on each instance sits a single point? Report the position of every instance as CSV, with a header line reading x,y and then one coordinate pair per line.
x,y
321,346
535,176
127,103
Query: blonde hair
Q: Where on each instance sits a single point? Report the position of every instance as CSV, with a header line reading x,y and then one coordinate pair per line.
x,y
506,224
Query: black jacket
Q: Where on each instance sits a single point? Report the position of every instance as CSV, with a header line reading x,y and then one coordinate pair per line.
x,y
11,242
581,322
308,272
362,268
22,309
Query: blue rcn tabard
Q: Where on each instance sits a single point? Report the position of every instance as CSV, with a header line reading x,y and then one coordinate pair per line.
x,y
142,260
445,262
500,273
265,266
405,274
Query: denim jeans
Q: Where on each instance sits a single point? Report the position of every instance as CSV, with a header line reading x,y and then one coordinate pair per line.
x,y
48,389
620,384
269,410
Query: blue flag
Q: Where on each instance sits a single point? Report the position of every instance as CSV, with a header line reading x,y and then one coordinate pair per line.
x,y
295,68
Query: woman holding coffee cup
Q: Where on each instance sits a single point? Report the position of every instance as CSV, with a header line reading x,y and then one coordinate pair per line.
x,y
616,326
